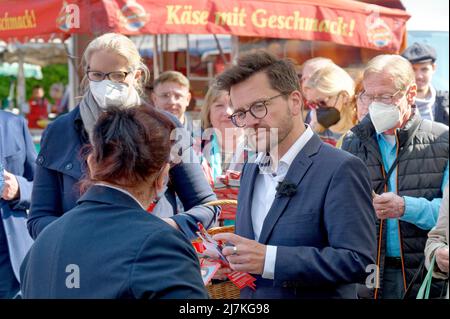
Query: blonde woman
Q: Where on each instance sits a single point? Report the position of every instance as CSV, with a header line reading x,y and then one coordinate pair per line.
x,y
114,77
309,68
330,93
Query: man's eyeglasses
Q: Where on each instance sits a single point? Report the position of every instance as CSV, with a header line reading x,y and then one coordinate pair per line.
x,y
258,110
116,76
384,98
168,95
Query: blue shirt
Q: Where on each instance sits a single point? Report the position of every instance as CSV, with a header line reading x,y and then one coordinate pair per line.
x,y
418,210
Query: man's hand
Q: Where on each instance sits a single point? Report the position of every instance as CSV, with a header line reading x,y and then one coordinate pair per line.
x,y
442,258
248,256
389,205
11,187
171,222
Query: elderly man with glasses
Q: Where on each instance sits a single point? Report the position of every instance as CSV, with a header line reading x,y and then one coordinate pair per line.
x,y
407,157
305,224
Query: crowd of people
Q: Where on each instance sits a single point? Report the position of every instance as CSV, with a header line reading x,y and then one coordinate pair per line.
x,y
340,179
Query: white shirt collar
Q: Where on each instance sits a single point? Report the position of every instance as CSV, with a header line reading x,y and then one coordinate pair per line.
x,y
123,191
287,159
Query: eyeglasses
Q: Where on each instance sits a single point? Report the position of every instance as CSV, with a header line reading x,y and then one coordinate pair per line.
x,y
258,110
167,96
323,103
317,104
384,98
116,76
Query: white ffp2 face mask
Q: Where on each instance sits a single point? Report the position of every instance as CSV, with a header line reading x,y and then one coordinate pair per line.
x,y
107,93
384,116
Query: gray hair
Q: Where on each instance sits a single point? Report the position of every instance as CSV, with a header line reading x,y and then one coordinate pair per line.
x,y
397,67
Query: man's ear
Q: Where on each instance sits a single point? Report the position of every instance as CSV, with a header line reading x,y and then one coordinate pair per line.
x,y
297,103
412,93
188,97
138,75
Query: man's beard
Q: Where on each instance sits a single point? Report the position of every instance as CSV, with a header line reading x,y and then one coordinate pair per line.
x,y
266,139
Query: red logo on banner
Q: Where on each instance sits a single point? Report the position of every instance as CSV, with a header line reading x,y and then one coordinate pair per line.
x,y
133,16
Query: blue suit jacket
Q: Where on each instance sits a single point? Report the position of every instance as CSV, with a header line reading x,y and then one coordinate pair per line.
x,y
17,154
109,247
325,232
60,167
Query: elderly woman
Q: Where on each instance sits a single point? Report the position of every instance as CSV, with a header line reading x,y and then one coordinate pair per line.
x,y
222,150
437,243
330,93
222,141
310,67
108,246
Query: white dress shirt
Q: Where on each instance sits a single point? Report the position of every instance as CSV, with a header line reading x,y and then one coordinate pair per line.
x,y
271,173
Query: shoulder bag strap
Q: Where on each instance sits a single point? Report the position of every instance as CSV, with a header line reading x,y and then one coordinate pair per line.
x,y
394,165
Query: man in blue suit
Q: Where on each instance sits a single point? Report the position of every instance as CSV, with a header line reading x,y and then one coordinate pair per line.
x,y
305,220
17,157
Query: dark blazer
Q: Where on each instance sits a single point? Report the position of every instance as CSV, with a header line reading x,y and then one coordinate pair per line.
x,y
109,247
17,155
60,167
324,232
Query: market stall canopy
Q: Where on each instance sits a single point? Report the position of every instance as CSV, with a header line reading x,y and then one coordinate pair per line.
x,y
344,22
41,54
30,70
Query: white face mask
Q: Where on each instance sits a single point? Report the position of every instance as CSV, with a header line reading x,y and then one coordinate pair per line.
x,y
384,116
107,93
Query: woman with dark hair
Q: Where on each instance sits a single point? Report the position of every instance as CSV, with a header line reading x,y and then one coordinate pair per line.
x,y
108,246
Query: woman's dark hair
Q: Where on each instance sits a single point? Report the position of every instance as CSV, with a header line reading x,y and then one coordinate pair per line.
x,y
129,146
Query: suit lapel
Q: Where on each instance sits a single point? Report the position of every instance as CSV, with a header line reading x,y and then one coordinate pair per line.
x,y
244,225
295,174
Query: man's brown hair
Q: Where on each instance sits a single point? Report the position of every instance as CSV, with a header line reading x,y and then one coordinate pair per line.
x,y
172,76
280,72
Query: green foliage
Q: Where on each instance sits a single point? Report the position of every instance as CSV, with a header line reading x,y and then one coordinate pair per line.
x,y
52,74
4,86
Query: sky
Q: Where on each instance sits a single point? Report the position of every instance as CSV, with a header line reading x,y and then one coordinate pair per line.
x,y
427,15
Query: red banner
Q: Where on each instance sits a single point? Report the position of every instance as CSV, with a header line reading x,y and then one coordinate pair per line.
x,y
345,22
